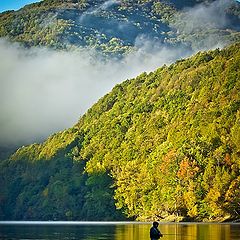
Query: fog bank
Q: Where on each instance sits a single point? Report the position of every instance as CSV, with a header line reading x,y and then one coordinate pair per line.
x,y
43,91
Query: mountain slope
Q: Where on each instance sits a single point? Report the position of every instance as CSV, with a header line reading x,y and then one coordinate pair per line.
x,y
165,143
117,27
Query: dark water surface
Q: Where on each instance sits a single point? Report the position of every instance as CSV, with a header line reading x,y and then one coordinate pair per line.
x,y
115,231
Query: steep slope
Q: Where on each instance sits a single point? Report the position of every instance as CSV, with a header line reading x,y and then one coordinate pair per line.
x,y
117,27
165,143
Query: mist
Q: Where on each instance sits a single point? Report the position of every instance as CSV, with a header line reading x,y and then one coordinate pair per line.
x,y
95,10
43,91
204,16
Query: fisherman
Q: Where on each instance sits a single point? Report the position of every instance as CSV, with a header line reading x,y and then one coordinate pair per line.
x,y
154,232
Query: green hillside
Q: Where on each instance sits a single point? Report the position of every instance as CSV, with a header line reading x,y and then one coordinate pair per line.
x,y
165,144
114,27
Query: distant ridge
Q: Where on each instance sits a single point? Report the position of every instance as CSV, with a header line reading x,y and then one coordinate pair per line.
x,y
113,27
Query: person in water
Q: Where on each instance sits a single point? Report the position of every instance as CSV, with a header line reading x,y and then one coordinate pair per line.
x,y
154,232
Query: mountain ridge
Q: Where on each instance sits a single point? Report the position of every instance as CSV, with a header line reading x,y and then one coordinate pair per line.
x,y
163,144
102,25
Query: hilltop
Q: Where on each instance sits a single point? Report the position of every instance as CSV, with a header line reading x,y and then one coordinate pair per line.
x,y
116,28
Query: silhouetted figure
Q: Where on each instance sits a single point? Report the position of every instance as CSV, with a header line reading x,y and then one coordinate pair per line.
x,y
154,232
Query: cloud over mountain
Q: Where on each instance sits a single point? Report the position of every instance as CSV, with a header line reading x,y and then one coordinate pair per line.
x,y
44,91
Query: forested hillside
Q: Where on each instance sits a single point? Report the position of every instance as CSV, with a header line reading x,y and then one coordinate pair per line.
x,y
117,27
163,144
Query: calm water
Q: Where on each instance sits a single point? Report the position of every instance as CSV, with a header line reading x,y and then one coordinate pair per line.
x,y
116,231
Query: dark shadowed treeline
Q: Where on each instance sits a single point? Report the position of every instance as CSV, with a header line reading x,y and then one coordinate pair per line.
x,y
55,188
163,144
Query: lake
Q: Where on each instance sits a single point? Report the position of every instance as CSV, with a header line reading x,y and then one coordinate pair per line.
x,y
115,231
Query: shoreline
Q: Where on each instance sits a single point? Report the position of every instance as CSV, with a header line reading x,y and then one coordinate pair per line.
x,y
106,222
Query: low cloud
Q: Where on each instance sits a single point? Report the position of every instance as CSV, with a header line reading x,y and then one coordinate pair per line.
x,y
204,16
96,10
44,91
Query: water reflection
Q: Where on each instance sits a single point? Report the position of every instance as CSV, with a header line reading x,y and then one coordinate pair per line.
x,y
181,232
114,231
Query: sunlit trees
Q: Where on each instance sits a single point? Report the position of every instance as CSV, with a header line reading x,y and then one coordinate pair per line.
x,y
163,144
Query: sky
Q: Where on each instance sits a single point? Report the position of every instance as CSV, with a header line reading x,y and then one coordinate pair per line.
x,y
14,4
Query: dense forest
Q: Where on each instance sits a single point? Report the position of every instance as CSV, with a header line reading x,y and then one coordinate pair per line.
x,y
165,145
114,27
